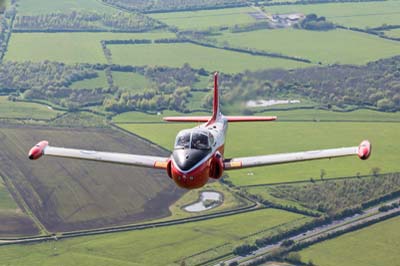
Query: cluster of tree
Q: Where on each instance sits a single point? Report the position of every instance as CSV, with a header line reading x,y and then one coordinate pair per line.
x,y
2,6
50,81
332,196
386,208
313,22
153,6
149,100
250,27
245,249
375,85
311,2
129,41
46,75
86,21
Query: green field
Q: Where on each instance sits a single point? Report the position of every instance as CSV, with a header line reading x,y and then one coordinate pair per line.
x,y
275,137
360,15
99,82
78,47
37,7
10,109
139,117
393,33
130,81
375,245
158,246
212,59
205,19
328,47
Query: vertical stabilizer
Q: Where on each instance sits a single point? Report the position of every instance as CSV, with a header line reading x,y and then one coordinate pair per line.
x,y
216,110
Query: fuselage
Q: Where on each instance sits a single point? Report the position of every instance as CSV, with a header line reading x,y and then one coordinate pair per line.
x,y
198,153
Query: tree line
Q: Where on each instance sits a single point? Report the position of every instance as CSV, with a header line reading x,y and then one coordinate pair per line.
x,y
86,21
154,6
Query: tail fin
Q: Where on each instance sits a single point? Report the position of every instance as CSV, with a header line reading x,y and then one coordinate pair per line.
x,y
216,109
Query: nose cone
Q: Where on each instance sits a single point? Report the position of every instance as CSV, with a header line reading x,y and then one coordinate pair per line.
x,y
37,151
186,159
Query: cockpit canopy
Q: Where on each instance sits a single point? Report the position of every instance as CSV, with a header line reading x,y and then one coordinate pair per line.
x,y
194,139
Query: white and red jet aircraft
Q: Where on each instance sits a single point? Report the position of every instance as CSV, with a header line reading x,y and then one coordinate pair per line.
x,y
199,152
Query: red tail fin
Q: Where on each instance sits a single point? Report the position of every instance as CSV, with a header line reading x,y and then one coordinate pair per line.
x,y
216,110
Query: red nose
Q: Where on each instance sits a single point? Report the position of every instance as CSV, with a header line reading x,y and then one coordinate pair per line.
x,y
364,150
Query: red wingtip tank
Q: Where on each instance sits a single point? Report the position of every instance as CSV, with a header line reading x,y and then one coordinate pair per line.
x,y
37,151
364,150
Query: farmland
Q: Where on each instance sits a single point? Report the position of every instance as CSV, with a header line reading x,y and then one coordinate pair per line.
x,y
376,245
296,136
71,195
69,48
176,55
158,246
25,110
130,81
206,18
98,82
336,46
368,14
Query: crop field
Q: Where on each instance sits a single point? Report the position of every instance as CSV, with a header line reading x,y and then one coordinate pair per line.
x,y
14,222
376,245
130,81
77,47
252,139
205,19
178,54
48,6
335,46
360,15
99,82
73,194
10,109
158,246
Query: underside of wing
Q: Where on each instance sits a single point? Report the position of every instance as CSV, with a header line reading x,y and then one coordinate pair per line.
x,y
187,118
42,148
363,151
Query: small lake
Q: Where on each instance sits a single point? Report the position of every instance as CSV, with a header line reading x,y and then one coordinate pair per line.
x,y
208,200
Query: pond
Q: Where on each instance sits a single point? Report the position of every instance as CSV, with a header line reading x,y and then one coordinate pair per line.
x,y
207,201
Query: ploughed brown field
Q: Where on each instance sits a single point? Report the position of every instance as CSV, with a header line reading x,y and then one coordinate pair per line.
x,y
66,194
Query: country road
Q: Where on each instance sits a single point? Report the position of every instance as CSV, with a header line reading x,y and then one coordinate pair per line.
x,y
337,225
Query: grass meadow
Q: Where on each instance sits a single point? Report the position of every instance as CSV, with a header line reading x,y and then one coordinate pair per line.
x,y
24,110
377,244
360,15
250,139
212,59
69,48
130,81
204,19
393,33
98,82
335,46
158,246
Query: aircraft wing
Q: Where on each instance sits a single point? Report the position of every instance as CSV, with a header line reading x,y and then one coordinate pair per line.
x,y
42,148
363,151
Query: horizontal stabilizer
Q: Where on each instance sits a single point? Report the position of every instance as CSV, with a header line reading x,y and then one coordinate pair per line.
x,y
187,118
250,118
